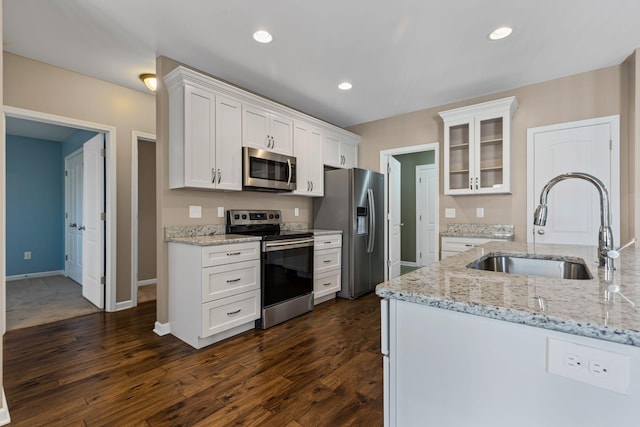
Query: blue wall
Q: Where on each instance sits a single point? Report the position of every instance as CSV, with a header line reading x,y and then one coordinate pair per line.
x,y
35,205
75,142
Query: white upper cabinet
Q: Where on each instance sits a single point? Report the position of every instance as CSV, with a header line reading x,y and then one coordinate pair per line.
x,y
307,147
266,130
205,142
340,151
477,148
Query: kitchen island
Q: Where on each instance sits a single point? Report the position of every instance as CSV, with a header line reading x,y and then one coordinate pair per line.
x,y
465,347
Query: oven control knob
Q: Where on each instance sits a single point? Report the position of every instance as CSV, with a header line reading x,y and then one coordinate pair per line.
x,y
277,216
244,216
270,216
236,216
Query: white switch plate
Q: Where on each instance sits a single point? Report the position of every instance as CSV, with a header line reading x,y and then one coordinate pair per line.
x,y
195,211
27,255
479,212
220,211
296,212
450,212
589,365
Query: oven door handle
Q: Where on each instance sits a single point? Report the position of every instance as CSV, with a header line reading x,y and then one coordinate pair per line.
x,y
288,244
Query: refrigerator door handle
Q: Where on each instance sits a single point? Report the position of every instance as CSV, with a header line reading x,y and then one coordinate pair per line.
x,y
372,220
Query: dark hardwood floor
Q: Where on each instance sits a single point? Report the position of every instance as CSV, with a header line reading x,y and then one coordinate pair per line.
x,y
320,369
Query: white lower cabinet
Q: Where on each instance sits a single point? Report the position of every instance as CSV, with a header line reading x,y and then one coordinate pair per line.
x,y
327,267
455,245
214,291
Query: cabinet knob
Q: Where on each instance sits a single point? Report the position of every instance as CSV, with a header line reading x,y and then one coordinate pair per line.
x,y
540,231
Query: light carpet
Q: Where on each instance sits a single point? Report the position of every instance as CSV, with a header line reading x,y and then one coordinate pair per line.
x,y
41,300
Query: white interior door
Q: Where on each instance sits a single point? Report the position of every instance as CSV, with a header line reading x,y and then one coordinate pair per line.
x,y
73,215
93,228
573,205
426,194
394,217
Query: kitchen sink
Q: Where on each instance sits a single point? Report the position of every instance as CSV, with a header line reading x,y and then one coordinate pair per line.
x,y
534,265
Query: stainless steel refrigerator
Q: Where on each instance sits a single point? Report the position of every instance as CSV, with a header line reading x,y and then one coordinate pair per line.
x,y
353,202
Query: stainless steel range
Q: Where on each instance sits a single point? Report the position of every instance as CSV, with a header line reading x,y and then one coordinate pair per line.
x,y
286,263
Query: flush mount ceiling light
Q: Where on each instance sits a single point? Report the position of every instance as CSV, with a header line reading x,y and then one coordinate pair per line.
x,y
262,36
345,86
500,33
149,81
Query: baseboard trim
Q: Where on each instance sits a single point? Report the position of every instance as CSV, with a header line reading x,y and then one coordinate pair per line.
x,y
33,275
408,264
162,329
4,411
147,282
124,305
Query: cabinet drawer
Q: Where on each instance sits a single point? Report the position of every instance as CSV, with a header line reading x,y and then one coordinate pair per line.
x,y
327,242
326,259
227,313
461,244
326,283
230,279
224,254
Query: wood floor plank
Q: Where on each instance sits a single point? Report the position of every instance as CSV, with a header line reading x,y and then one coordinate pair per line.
x,y
321,368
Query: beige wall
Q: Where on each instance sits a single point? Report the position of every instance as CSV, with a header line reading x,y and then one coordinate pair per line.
x,y
146,210
44,88
583,96
173,205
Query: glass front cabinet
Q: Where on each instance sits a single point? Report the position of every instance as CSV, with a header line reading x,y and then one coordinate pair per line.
x,y
477,148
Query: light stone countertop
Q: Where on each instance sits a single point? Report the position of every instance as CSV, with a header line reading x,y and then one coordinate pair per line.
x,y
324,232
217,239
572,306
486,231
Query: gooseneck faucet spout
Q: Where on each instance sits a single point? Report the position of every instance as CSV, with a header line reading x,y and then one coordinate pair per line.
x,y
605,236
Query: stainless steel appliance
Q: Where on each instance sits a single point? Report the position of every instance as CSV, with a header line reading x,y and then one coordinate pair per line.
x,y
353,203
286,264
263,170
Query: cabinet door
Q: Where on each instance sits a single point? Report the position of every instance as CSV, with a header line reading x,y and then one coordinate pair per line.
x,y
349,154
255,127
281,133
307,143
331,150
228,144
199,138
459,174
491,154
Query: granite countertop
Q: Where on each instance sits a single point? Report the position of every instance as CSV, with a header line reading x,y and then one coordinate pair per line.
x,y
323,232
572,306
216,239
486,231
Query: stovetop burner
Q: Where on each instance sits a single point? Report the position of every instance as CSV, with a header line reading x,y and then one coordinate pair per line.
x,y
264,223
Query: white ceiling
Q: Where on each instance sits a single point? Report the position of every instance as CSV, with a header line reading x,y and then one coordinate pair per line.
x,y
400,55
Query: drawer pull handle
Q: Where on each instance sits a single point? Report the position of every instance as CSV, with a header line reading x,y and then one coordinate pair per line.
x,y
234,312
233,253
327,243
233,280
326,284
327,261
468,245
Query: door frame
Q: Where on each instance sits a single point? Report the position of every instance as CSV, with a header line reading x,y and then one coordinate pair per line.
x,y
135,137
419,197
614,190
384,154
110,183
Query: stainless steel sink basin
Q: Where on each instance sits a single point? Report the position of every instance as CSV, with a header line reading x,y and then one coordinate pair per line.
x,y
534,265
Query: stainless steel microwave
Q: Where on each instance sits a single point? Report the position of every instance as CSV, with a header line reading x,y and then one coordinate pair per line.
x,y
263,170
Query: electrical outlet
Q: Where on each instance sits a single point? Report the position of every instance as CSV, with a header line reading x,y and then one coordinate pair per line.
x,y
220,211
479,212
450,212
195,211
296,212
590,365
27,255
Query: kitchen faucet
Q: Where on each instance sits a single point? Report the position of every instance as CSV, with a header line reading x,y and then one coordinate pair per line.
x,y
606,252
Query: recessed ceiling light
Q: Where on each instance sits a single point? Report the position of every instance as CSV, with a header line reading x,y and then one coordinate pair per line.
x,y
345,86
262,36
500,33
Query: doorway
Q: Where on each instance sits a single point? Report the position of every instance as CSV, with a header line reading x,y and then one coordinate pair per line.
x,y
108,268
409,226
143,217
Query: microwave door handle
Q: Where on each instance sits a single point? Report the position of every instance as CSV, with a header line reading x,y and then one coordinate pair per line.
x,y
289,164
372,221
